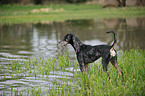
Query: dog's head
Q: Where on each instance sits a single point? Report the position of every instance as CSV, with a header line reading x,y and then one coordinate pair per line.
x,y
67,39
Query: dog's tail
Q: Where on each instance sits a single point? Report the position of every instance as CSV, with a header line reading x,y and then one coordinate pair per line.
x,y
112,46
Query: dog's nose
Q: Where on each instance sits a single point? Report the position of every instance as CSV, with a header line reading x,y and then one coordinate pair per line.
x,y
60,41
63,43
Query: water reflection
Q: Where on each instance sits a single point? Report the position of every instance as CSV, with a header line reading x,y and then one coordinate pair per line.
x,y
21,41
41,39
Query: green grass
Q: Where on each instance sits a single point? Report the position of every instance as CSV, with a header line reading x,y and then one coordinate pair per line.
x,y
11,14
131,62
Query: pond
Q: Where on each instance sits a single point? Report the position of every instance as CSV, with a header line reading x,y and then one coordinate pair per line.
x,y
41,40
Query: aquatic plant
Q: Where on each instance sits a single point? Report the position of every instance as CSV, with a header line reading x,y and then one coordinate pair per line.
x,y
96,83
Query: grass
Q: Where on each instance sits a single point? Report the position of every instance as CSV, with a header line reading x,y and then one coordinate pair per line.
x,y
131,62
11,14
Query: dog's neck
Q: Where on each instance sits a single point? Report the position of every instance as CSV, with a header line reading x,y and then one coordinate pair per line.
x,y
76,43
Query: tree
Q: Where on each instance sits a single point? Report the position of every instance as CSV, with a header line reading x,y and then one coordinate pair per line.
x,y
121,3
76,1
37,1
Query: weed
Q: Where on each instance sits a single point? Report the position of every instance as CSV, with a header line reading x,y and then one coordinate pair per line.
x,y
96,83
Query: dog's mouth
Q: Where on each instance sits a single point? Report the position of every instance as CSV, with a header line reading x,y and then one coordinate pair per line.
x,y
63,43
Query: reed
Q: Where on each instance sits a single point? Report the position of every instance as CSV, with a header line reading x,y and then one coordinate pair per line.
x,y
96,83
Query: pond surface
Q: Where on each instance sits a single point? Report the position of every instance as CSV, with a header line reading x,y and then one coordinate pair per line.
x,y
21,41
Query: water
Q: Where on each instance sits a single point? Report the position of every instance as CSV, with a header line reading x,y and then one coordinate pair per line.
x,y
21,41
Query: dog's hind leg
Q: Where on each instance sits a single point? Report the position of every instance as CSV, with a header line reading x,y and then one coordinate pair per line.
x,y
114,63
105,63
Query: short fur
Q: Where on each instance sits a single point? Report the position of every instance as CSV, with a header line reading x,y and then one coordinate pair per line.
x,y
88,54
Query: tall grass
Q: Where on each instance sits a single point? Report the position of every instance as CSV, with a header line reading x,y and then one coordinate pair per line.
x,y
96,83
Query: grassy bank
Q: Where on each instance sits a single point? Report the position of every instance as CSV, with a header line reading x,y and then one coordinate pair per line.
x,y
32,13
131,62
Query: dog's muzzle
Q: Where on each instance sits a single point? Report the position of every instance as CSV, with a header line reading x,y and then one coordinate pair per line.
x,y
63,43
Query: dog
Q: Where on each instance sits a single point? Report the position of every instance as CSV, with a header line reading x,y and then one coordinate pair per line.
x,y
87,54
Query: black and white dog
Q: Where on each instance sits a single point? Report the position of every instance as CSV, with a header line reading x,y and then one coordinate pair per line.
x,y
87,54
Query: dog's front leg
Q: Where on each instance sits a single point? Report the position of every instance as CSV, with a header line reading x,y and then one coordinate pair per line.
x,y
81,61
86,68
82,67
